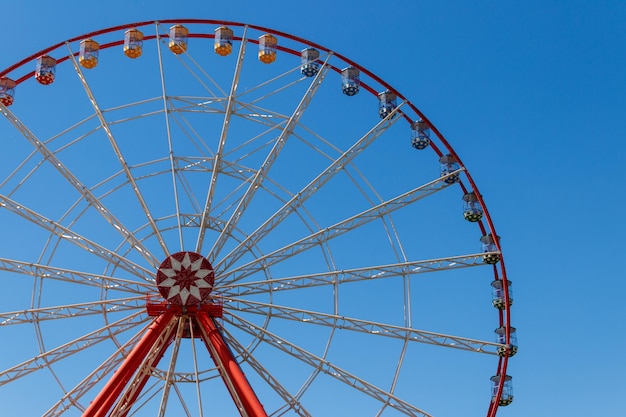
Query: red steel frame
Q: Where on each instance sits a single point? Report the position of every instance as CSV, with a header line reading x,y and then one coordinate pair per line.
x,y
115,400
236,382
103,402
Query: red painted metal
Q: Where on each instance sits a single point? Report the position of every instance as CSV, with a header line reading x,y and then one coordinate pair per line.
x,y
236,381
139,359
185,279
101,405
214,309
123,406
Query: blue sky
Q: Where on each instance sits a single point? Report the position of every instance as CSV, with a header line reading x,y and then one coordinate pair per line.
x,y
532,96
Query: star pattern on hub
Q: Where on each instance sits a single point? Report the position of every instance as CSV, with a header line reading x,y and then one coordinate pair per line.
x,y
185,278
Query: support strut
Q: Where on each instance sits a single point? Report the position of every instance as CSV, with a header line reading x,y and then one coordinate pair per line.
x,y
234,378
102,404
117,396
122,408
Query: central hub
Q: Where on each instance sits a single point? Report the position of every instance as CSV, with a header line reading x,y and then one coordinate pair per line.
x,y
185,278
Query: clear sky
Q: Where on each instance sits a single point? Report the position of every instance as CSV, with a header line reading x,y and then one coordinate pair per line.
x,y
531,95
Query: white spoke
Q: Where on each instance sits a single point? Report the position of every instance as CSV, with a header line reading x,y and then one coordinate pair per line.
x,y
244,288
78,185
166,112
196,371
54,355
264,117
274,152
326,367
271,81
363,326
217,164
121,159
182,401
262,144
200,79
74,277
333,231
70,311
169,379
297,200
70,236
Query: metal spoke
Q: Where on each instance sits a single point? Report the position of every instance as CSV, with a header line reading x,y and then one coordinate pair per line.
x,y
217,164
264,117
189,132
54,355
196,370
271,127
166,112
147,394
244,288
70,236
324,366
271,81
396,375
121,159
79,186
310,189
202,71
333,231
181,398
271,157
363,326
70,311
74,277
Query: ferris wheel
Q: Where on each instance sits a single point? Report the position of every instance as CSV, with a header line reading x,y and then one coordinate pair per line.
x,y
208,218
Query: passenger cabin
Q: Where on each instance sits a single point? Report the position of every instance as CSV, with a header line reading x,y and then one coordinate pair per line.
x,y
350,80
178,39
449,165
7,91
498,295
133,43
45,69
267,48
507,389
489,244
386,103
308,58
472,212
223,41
88,56
509,349
420,135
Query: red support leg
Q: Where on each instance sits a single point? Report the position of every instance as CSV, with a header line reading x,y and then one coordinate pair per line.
x,y
234,378
123,406
102,404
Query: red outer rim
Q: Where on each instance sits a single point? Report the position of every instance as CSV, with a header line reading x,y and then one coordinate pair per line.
x,y
488,228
